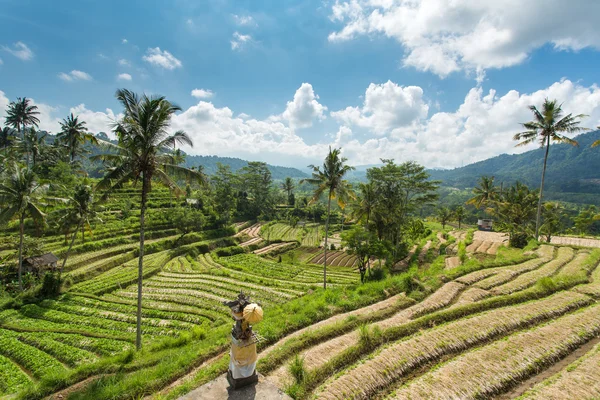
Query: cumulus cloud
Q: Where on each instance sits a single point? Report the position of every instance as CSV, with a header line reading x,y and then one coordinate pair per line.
x,y
75,75
124,77
202,93
162,59
481,127
386,107
239,40
304,108
124,63
19,50
444,36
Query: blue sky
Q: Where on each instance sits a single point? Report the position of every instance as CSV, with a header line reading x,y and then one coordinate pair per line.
x,y
382,78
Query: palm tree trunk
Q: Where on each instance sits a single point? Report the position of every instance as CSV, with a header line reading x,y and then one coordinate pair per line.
x,y
20,271
326,234
539,209
138,339
69,249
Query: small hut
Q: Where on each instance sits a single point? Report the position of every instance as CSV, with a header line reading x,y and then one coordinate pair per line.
x,y
37,264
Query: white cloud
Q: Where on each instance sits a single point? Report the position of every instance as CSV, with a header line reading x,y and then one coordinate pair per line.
x,y
124,77
481,127
239,41
386,107
444,36
124,41
1,62
202,93
96,121
124,63
162,59
305,107
244,20
75,75
19,50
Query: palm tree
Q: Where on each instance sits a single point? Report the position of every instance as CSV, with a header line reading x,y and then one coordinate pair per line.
x,y
548,124
21,114
484,193
459,214
330,180
74,133
444,214
80,208
6,138
143,153
33,144
363,207
288,186
18,196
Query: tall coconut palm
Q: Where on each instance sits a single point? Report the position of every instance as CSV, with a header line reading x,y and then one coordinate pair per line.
x,y
548,125
33,144
484,193
18,199
330,180
21,114
362,208
73,134
143,153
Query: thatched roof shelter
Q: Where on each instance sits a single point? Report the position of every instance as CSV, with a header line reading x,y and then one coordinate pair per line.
x,y
36,263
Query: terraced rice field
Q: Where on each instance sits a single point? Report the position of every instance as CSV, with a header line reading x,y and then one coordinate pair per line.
x,y
478,336
335,258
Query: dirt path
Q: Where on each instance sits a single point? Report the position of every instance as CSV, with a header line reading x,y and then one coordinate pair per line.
x,y
252,231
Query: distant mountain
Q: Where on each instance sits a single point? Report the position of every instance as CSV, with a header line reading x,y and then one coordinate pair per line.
x,y
210,166
571,171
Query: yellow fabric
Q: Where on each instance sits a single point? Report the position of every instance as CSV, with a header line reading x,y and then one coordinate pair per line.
x,y
242,356
253,313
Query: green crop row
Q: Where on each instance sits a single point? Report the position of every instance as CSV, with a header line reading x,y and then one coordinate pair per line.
x,y
37,362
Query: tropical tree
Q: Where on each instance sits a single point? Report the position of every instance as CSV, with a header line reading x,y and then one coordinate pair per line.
x,y
143,153
553,214
330,180
73,134
6,138
444,215
18,196
597,142
485,193
80,209
459,214
548,125
21,114
33,144
288,186
515,212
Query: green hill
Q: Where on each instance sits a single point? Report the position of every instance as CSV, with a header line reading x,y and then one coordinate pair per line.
x,y
573,173
210,166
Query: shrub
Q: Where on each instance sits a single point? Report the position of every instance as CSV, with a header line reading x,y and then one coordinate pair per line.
x,y
50,285
518,240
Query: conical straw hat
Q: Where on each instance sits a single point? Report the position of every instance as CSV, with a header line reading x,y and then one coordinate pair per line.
x,y
253,313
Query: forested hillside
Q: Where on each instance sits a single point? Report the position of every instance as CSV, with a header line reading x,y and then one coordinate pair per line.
x,y
570,169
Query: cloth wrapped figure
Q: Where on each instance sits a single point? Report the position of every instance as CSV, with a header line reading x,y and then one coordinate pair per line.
x,y
243,356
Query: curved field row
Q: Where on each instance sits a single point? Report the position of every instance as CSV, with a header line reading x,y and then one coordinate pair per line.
x,y
563,256
323,352
388,365
274,247
255,240
493,368
335,258
253,231
580,380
